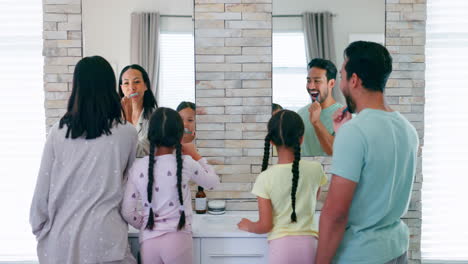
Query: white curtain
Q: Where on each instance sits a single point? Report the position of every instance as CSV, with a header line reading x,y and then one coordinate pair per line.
x,y
145,40
23,132
319,41
445,152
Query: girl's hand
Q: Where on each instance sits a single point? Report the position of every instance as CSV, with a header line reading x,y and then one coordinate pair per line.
x,y
244,224
191,150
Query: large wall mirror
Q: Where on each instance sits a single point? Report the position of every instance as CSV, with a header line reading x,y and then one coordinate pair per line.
x,y
308,29
113,28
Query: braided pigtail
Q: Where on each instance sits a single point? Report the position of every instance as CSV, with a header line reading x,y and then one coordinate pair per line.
x,y
295,179
266,153
149,189
179,185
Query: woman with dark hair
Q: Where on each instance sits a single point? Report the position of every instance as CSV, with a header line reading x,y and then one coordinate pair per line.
x,y
187,112
75,209
138,102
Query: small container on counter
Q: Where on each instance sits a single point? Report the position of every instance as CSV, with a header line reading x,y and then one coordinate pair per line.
x,y
200,201
217,207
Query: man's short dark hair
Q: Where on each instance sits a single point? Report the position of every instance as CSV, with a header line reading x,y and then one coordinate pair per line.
x,y
324,65
371,62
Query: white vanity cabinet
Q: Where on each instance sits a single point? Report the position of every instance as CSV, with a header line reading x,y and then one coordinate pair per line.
x,y
196,251
217,240
234,250
222,242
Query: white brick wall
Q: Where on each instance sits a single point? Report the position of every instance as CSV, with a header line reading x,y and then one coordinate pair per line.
x,y
240,69
405,39
62,50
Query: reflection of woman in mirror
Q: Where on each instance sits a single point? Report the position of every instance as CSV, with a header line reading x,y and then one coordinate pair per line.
x,y
138,102
187,112
75,210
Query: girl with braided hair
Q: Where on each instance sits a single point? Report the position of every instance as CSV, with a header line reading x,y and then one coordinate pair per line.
x,y
159,185
287,193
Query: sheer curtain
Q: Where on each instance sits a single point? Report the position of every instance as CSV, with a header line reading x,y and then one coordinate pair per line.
x,y
176,82
318,35
145,40
319,41
22,133
445,156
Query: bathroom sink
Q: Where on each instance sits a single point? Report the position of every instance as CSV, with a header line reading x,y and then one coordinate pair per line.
x,y
222,225
206,225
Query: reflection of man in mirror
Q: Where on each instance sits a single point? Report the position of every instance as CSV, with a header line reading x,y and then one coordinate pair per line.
x,y
317,116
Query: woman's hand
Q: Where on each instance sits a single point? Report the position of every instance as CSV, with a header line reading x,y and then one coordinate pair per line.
x,y
127,108
244,224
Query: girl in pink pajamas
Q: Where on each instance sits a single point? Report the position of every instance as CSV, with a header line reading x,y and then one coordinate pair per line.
x,y
157,198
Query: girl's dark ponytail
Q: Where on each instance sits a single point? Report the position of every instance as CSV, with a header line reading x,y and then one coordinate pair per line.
x,y
149,189
295,179
266,153
285,129
179,185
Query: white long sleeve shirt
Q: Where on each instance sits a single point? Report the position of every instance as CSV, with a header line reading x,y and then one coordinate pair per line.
x,y
165,199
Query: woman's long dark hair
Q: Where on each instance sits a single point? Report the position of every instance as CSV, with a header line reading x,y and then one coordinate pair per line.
x,y
149,101
286,128
166,129
94,106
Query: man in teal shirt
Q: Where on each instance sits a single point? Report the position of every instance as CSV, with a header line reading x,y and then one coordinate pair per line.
x,y
317,116
373,168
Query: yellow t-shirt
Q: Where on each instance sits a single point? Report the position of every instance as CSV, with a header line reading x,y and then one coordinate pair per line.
x,y
275,184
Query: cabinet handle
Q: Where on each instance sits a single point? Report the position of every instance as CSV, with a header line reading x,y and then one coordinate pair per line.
x,y
236,255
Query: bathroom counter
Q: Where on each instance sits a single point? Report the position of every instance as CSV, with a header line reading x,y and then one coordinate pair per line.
x,y
206,225
216,239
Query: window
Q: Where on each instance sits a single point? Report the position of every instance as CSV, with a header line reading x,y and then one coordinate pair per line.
x,y
445,156
177,72
289,70
22,133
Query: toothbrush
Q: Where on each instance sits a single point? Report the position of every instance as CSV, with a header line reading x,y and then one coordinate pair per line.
x,y
344,110
132,95
187,131
317,99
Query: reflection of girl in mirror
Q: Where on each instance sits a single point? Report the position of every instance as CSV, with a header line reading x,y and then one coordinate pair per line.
x,y
287,194
75,210
161,181
187,112
138,102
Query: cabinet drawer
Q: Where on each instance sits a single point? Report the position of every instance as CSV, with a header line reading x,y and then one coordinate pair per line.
x,y
234,251
196,251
